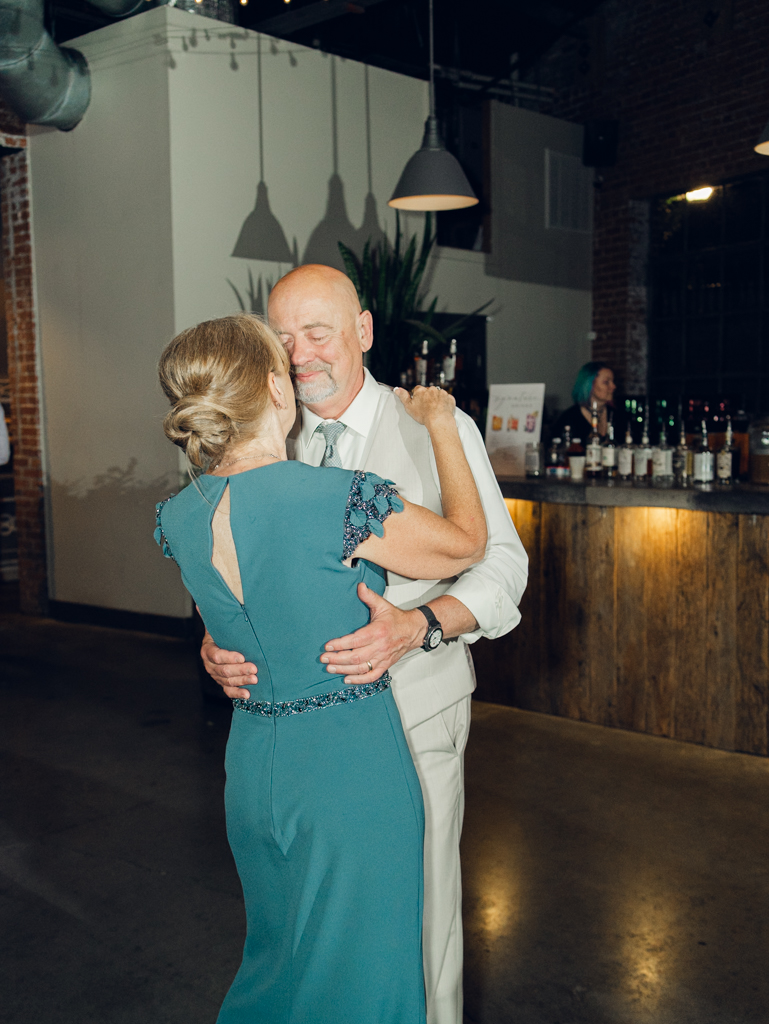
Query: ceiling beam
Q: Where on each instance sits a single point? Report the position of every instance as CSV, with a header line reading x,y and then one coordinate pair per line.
x,y
311,14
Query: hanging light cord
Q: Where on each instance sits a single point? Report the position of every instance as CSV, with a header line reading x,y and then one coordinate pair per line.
x,y
432,64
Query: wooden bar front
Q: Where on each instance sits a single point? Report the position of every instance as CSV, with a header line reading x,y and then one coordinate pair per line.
x,y
644,618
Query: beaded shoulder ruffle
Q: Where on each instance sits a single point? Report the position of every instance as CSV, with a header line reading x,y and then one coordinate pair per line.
x,y
160,537
370,502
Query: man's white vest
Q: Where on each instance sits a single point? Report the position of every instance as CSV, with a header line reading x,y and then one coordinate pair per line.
x,y
424,683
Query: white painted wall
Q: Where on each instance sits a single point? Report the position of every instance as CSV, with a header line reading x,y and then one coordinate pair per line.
x,y
136,213
536,332
103,260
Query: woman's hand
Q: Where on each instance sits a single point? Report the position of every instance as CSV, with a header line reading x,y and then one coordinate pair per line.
x,y
427,405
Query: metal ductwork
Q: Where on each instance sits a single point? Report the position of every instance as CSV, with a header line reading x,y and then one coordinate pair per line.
x,y
41,82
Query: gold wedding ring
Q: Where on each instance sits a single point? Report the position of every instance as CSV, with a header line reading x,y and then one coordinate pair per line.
x,y
369,665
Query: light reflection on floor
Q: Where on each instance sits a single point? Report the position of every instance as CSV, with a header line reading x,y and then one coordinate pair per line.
x,y
612,878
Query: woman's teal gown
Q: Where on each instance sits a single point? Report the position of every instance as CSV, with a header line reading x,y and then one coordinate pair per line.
x,y
324,810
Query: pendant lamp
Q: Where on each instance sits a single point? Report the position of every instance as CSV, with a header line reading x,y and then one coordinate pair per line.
x,y
432,179
762,146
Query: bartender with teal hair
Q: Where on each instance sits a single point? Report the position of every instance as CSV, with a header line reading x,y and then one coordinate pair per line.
x,y
594,386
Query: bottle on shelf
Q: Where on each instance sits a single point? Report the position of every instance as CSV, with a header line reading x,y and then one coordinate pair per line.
x,y
551,462
533,459
420,361
702,462
642,456
450,366
563,472
727,458
625,457
662,460
609,453
593,463
682,459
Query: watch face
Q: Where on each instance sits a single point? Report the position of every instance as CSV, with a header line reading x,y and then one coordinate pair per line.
x,y
434,637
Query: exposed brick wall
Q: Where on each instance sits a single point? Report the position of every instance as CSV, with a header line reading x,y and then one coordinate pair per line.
x,y
688,82
23,379
9,122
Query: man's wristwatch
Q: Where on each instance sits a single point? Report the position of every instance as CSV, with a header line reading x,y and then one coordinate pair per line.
x,y
434,633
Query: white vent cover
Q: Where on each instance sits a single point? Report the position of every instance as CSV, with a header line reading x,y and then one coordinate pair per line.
x,y
568,193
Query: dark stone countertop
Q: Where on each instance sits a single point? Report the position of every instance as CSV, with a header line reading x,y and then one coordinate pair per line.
x,y
745,499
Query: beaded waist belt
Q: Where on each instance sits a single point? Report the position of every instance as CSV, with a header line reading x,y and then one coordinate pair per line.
x,y
323,700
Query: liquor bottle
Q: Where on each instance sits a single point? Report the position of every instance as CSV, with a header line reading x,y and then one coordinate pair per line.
x,y
564,468
533,459
421,364
625,457
725,458
609,453
450,365
563,472
662,459
593,466
682,460
553,454
703,459
642,456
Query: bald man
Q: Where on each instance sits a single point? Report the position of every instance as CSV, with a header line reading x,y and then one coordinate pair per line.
x,y
420,629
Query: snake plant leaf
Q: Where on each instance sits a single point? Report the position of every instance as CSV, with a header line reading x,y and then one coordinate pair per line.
x,y
351,265
429,330
238,296
461,324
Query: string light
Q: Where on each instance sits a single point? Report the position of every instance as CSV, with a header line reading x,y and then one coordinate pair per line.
x,y
699,195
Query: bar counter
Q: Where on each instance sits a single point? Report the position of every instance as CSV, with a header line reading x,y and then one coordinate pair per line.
x,y
742,498
646,609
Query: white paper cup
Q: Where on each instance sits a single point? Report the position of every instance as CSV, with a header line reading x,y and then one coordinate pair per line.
x,y
577,467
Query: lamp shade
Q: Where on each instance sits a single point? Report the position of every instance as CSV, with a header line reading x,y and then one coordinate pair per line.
x,y
762,146
433,179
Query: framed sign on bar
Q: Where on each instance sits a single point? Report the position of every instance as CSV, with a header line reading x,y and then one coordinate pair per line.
x,y
514,420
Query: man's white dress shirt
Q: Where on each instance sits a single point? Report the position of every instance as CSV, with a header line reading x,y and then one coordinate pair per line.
x,y
493,588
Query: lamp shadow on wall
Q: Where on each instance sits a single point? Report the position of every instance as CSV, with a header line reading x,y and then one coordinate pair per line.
x,y
336,226
262,237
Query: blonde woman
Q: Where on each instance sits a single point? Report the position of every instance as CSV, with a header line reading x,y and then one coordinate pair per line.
x,y
324,810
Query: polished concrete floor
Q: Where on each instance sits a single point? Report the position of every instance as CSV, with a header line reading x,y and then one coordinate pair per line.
x,y
610,878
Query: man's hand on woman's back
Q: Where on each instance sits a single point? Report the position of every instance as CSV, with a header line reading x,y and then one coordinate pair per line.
x,y
228,668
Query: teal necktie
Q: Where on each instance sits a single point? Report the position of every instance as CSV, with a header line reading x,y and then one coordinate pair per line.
x,y
331,434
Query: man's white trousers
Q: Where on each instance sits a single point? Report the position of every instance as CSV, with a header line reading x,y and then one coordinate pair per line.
x,y
438,747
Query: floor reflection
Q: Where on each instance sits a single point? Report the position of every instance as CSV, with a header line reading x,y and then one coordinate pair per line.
x,y
611,878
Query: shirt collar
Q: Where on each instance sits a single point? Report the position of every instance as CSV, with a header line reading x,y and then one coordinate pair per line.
x,y
358,416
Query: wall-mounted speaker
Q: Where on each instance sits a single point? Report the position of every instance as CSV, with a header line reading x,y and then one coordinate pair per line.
x,y
599,144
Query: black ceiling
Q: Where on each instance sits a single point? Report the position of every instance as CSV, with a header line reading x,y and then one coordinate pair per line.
x,y
486,37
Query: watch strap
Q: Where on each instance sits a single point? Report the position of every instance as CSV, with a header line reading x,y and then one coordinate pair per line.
x,y
427,611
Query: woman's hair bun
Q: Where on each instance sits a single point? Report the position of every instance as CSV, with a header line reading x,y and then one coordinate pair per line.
x,y
201,428
216,377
